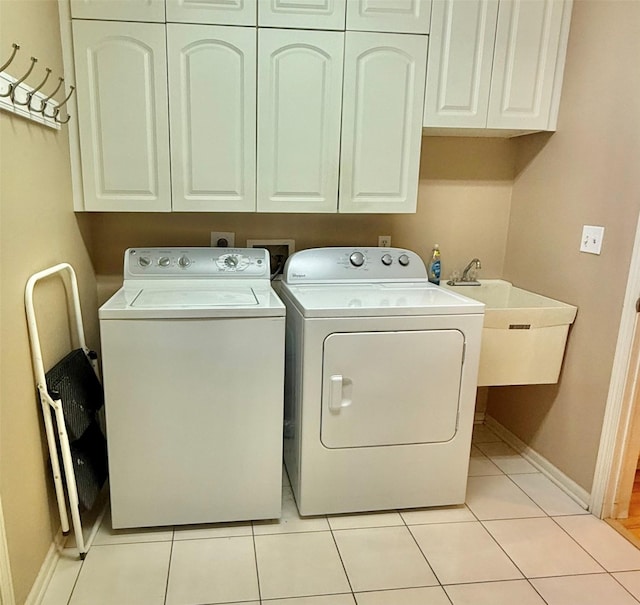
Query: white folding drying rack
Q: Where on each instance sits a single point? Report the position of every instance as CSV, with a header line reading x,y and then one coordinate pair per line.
x,y
50,405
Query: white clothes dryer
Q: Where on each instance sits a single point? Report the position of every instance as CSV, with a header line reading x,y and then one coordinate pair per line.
x,y
380,382
193,362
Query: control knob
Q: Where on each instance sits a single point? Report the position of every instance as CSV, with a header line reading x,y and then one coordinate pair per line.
x,y
357,259
144,261
231,261
164,261
387,259
184,261
403,259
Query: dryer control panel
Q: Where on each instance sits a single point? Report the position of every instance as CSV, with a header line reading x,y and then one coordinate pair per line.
x,y
322,265
194,263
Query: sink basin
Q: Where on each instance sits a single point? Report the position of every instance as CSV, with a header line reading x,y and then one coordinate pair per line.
x,y
524,334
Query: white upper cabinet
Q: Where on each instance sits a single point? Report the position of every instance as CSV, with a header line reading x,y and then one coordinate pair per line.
x,y
214,12
123,115
460,62
402,16
250,105
527,64
119,10
381,123
304,14
299,100
496,65
212,84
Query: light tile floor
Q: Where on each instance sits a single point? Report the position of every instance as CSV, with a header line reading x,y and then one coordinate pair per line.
x,y
519,540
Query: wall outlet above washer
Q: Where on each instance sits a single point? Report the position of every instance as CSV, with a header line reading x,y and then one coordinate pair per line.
x,y
223,239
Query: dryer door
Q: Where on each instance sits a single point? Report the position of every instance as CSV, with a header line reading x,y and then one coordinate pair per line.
x,y
390,388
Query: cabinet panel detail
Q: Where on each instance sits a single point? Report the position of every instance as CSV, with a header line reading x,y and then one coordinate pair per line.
x,y
459,63
151,11
527,41
402,16
308,14
381,140
218,12
123,121
299,99
213,116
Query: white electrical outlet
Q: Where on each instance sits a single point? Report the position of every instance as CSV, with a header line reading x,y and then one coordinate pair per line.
x,y
384,241
592,237
223,239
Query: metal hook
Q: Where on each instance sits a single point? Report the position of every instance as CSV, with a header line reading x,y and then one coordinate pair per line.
x,y
44,103
12,87
16,48
64,101
61,121
34,91
56,113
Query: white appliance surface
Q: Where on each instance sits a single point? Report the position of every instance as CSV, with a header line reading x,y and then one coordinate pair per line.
x,y
380,383
193,362
373,299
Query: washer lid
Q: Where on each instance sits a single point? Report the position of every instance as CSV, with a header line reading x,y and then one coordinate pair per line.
x,y
378,299
173,301
181,297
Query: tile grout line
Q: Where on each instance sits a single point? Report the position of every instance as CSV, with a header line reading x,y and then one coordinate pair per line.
x,y
344,568
75,582
578,543
424,556
255,558
622,585
482,524
166,584
525,493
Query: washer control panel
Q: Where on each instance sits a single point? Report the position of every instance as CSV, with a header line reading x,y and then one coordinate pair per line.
x,y
319,265
193,263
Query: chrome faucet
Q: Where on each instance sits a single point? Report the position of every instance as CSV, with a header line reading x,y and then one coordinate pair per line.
x,y
465,273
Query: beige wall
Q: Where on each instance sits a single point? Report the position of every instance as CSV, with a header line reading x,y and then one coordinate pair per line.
x,y
586,173
37,229
464,200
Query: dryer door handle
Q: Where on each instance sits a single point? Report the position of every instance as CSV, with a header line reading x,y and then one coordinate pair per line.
x,y
337,399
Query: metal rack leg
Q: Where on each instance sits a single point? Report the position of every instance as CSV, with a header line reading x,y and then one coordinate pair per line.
x,y
72,488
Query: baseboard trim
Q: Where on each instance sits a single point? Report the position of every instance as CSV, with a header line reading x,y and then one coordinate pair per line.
x,y
567,485
45,574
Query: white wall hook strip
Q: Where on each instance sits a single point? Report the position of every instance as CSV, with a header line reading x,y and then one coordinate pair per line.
x,y
20,95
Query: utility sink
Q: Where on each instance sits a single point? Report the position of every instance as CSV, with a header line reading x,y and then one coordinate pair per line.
x,y
524,334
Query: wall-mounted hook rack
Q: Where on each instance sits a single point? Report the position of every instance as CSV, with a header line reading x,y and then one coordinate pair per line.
x,y
27,101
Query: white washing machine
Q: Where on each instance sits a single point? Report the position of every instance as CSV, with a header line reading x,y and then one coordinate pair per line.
x,y
380,382
193,362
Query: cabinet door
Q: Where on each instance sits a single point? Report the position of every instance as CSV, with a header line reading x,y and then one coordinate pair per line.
x,y
382,122
459,64
402,16
123,115
213,12
526,63
212,81
299,98
305,14
119,10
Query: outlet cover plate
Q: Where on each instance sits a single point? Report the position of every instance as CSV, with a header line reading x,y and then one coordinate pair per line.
x,y
228,236
384,241
592,236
